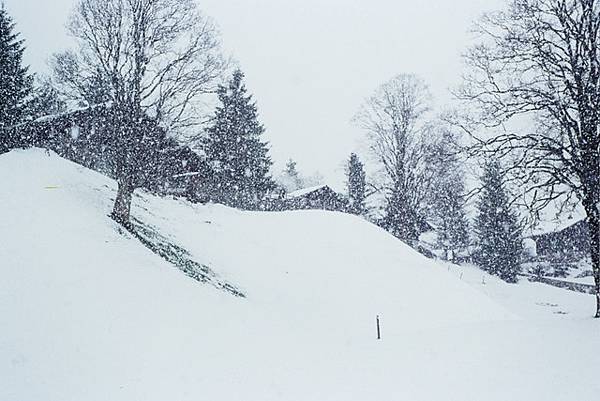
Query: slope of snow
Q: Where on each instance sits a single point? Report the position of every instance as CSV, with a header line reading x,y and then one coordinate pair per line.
x,y
88,313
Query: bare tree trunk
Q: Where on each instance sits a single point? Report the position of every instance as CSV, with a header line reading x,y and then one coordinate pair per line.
x,y
122,206
594,227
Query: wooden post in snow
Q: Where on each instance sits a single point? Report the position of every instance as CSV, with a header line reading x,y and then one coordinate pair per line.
x,y
378,330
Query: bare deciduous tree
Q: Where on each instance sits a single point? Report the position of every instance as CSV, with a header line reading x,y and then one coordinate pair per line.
x,y
540,58
150,58
394,118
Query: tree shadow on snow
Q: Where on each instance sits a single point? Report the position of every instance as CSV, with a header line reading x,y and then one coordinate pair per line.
x,y
177,256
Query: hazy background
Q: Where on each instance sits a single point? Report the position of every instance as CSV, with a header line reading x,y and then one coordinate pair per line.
x,y
309,63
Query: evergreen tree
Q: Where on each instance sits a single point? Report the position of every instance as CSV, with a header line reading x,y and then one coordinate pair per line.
x,y
356,185
290,179
401,219
15,82
45,101
496,226
235,150
448,197
96,89
449,212
403,212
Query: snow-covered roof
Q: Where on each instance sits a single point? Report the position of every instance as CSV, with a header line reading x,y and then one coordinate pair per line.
x,y
554,219
305,191
70,112
556,225
192,173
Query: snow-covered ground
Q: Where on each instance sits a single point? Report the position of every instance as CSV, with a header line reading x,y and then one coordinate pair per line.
x,y
87,313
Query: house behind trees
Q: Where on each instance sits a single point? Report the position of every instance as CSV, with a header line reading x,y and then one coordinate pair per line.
x,y
84,137
318,197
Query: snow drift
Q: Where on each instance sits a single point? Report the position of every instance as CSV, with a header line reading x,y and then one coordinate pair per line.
x,y
87,312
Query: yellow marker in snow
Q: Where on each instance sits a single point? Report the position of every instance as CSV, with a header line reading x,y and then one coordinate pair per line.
x,y
52,187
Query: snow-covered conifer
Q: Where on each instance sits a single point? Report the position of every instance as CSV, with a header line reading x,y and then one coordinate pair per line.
x,y
356,185
498,233
447,204
15,82
45,101
290,178
235,149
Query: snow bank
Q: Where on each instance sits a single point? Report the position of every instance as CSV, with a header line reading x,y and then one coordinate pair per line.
x,y
88,313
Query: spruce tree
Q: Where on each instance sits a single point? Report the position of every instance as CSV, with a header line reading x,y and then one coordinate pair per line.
x,y
402,219
45,101
15,82
356,185
447,204
291,179
235,149
96,89
449,213
498,233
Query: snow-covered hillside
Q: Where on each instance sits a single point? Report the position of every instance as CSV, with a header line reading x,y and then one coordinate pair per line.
x,y
89,313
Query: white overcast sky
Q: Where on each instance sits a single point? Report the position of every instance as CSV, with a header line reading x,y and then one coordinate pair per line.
x,y
309,63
